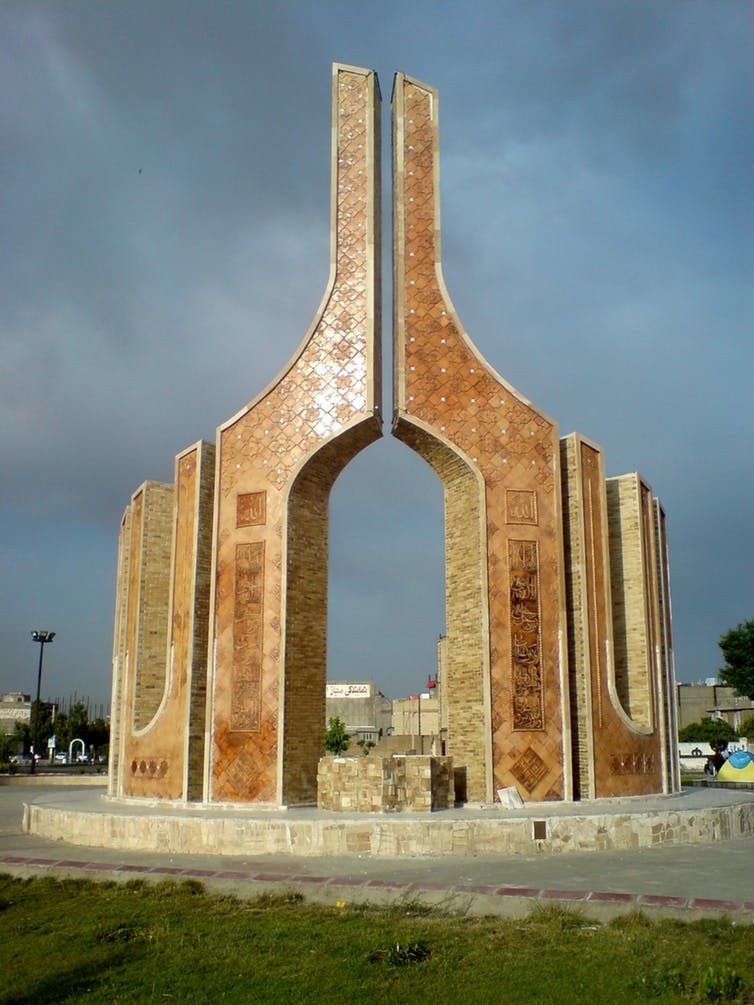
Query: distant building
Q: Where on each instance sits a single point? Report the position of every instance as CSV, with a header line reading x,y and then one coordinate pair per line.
x,y
417,715
699,701
425,714
15,706
735,713
363,708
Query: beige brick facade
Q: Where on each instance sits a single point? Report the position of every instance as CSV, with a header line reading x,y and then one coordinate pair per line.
x,y
162,756
632,616
614,754
148,598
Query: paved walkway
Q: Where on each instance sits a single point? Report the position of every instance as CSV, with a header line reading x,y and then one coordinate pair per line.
x,y
672,880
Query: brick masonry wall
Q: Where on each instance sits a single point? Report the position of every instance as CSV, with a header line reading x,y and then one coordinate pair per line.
x,y
155,759
630,609
579,616
507,558
270,527
196,726
149,588
613,756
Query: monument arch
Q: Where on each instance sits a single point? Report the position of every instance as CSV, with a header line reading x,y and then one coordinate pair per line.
x,y
558,653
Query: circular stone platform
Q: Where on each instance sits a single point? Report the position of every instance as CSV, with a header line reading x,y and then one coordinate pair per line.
x,y
88,818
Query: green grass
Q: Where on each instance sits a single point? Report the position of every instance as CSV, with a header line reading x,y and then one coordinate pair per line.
x,y
80,941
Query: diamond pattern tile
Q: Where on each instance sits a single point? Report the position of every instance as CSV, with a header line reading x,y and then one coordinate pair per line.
x,y
445,386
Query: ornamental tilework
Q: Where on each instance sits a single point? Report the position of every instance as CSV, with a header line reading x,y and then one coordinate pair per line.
x,y
557,670
268,454
446,389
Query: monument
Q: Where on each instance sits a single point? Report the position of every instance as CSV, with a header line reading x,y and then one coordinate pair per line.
x,y
558,657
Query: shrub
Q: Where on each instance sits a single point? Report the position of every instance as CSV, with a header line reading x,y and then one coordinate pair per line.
x,y
336,738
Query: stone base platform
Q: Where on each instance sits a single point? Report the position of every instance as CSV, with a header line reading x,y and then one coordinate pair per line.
x,y
693,816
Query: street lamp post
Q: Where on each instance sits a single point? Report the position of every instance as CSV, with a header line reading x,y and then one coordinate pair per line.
x,y
42,638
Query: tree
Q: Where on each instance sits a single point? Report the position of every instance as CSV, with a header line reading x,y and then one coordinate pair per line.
x,y
99,734
78,722
62,733
39,726
737,647
22,734
746,728
336,738
716,732
8,747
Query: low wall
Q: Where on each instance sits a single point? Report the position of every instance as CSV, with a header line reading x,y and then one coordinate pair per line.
x,y
412,783
454,832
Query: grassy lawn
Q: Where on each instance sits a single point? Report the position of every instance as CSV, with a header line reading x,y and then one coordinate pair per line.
x,y
80,941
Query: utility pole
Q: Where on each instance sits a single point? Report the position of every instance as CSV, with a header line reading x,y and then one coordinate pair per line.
x,y
43,638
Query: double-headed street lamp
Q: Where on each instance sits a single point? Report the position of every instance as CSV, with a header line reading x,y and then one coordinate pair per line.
x,y
42,638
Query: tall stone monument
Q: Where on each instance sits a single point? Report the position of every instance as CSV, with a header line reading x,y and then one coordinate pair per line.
x,y
558,675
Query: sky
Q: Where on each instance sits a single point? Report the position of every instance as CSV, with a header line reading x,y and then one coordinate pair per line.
x,y
164,188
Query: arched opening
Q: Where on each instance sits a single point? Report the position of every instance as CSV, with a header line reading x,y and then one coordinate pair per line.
x,y
387,603
306,579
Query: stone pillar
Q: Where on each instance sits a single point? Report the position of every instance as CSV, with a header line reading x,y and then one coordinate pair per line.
x,y
614,754
498,459
277,461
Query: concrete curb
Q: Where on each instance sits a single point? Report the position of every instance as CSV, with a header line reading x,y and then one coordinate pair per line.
x,y
503,901
68,780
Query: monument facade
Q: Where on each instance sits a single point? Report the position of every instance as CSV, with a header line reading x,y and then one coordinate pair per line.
x,y
557,661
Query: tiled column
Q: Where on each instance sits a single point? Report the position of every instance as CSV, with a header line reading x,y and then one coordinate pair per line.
x,y
498,459
277,460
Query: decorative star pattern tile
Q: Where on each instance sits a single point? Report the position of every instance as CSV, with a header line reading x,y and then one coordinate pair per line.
x,y
326,389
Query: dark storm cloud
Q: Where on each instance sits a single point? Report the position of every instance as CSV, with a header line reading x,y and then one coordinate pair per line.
x,y
164,213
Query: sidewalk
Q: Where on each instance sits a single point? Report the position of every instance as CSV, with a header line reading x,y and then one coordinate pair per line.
x,y
686,881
